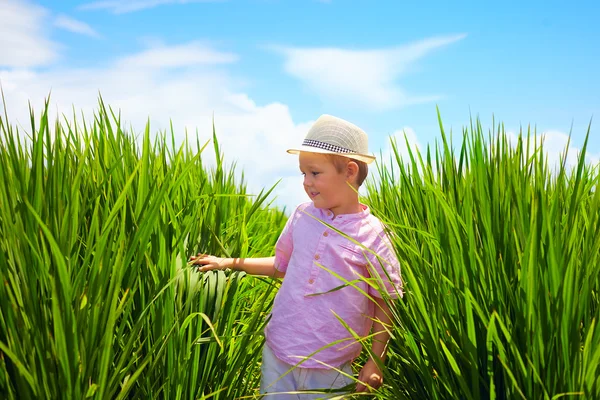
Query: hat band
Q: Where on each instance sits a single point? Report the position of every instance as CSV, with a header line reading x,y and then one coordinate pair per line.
x,y
326,146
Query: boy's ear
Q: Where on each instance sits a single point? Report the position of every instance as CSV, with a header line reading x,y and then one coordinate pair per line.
x,y
351,171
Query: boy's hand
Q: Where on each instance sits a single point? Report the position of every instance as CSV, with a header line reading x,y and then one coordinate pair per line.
x,y
371,375
207,262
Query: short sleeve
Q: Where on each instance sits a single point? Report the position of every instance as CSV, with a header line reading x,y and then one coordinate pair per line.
x,y
285,244
387,267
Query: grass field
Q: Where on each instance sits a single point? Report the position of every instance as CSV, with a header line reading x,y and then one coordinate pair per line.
x,y
500,257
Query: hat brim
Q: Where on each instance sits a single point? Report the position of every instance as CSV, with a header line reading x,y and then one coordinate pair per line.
x,y
309,149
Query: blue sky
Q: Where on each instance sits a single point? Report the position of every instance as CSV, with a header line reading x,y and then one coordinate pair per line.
x,y
266,69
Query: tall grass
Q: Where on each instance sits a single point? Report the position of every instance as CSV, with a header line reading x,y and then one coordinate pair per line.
x,y
95,229
501,262
500,256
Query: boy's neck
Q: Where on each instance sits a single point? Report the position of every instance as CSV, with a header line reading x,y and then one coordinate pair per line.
x,y
352,207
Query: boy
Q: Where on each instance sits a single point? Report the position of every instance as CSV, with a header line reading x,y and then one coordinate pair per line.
x,y
314,256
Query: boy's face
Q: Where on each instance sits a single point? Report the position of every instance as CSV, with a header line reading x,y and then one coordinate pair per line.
x,y
325,186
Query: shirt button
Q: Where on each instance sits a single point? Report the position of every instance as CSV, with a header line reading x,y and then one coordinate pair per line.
x,y
311,281
317,257
326,234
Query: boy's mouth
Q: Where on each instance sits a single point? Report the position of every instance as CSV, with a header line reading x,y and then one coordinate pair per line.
x,y
314,194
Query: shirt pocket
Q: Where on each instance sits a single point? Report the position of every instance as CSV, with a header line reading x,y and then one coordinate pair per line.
x,y
354,256
353,253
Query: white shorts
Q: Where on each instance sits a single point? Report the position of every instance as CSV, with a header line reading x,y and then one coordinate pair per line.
x,y
300,379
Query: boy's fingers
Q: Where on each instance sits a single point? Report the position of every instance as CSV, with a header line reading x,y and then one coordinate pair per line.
x,y
206,268
197,257
360,387
375,381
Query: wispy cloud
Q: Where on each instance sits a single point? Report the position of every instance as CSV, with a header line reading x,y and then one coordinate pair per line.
x,y
23,40
405,141
183,55
363,78
72,25
122,7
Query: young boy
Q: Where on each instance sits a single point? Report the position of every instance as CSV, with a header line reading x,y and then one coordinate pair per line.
x,y
314,258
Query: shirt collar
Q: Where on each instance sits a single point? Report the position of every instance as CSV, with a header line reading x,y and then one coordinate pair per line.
x,y
327,215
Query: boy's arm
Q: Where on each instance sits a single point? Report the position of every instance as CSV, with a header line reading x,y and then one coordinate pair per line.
x,y
370,373
254,266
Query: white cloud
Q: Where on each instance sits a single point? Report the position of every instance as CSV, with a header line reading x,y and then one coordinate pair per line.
x,y
72,25
388,157
23,41
121,7
184,55
401,137
291,192
362,78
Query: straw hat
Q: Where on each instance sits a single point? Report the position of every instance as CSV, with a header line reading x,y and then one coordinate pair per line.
x,y
332,135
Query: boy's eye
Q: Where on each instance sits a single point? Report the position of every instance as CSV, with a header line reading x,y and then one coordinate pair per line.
x,y
315,173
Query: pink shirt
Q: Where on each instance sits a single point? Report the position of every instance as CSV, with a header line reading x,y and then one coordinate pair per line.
x,y
302,324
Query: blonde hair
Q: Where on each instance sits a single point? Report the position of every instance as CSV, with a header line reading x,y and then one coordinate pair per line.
x,y
340,163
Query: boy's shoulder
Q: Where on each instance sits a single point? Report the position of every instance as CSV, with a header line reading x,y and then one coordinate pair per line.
x,y
300,212
301,209
305,206
374,223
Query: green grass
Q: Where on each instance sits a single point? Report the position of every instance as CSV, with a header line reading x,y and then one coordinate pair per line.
x,y
500,258
501,262
95,230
